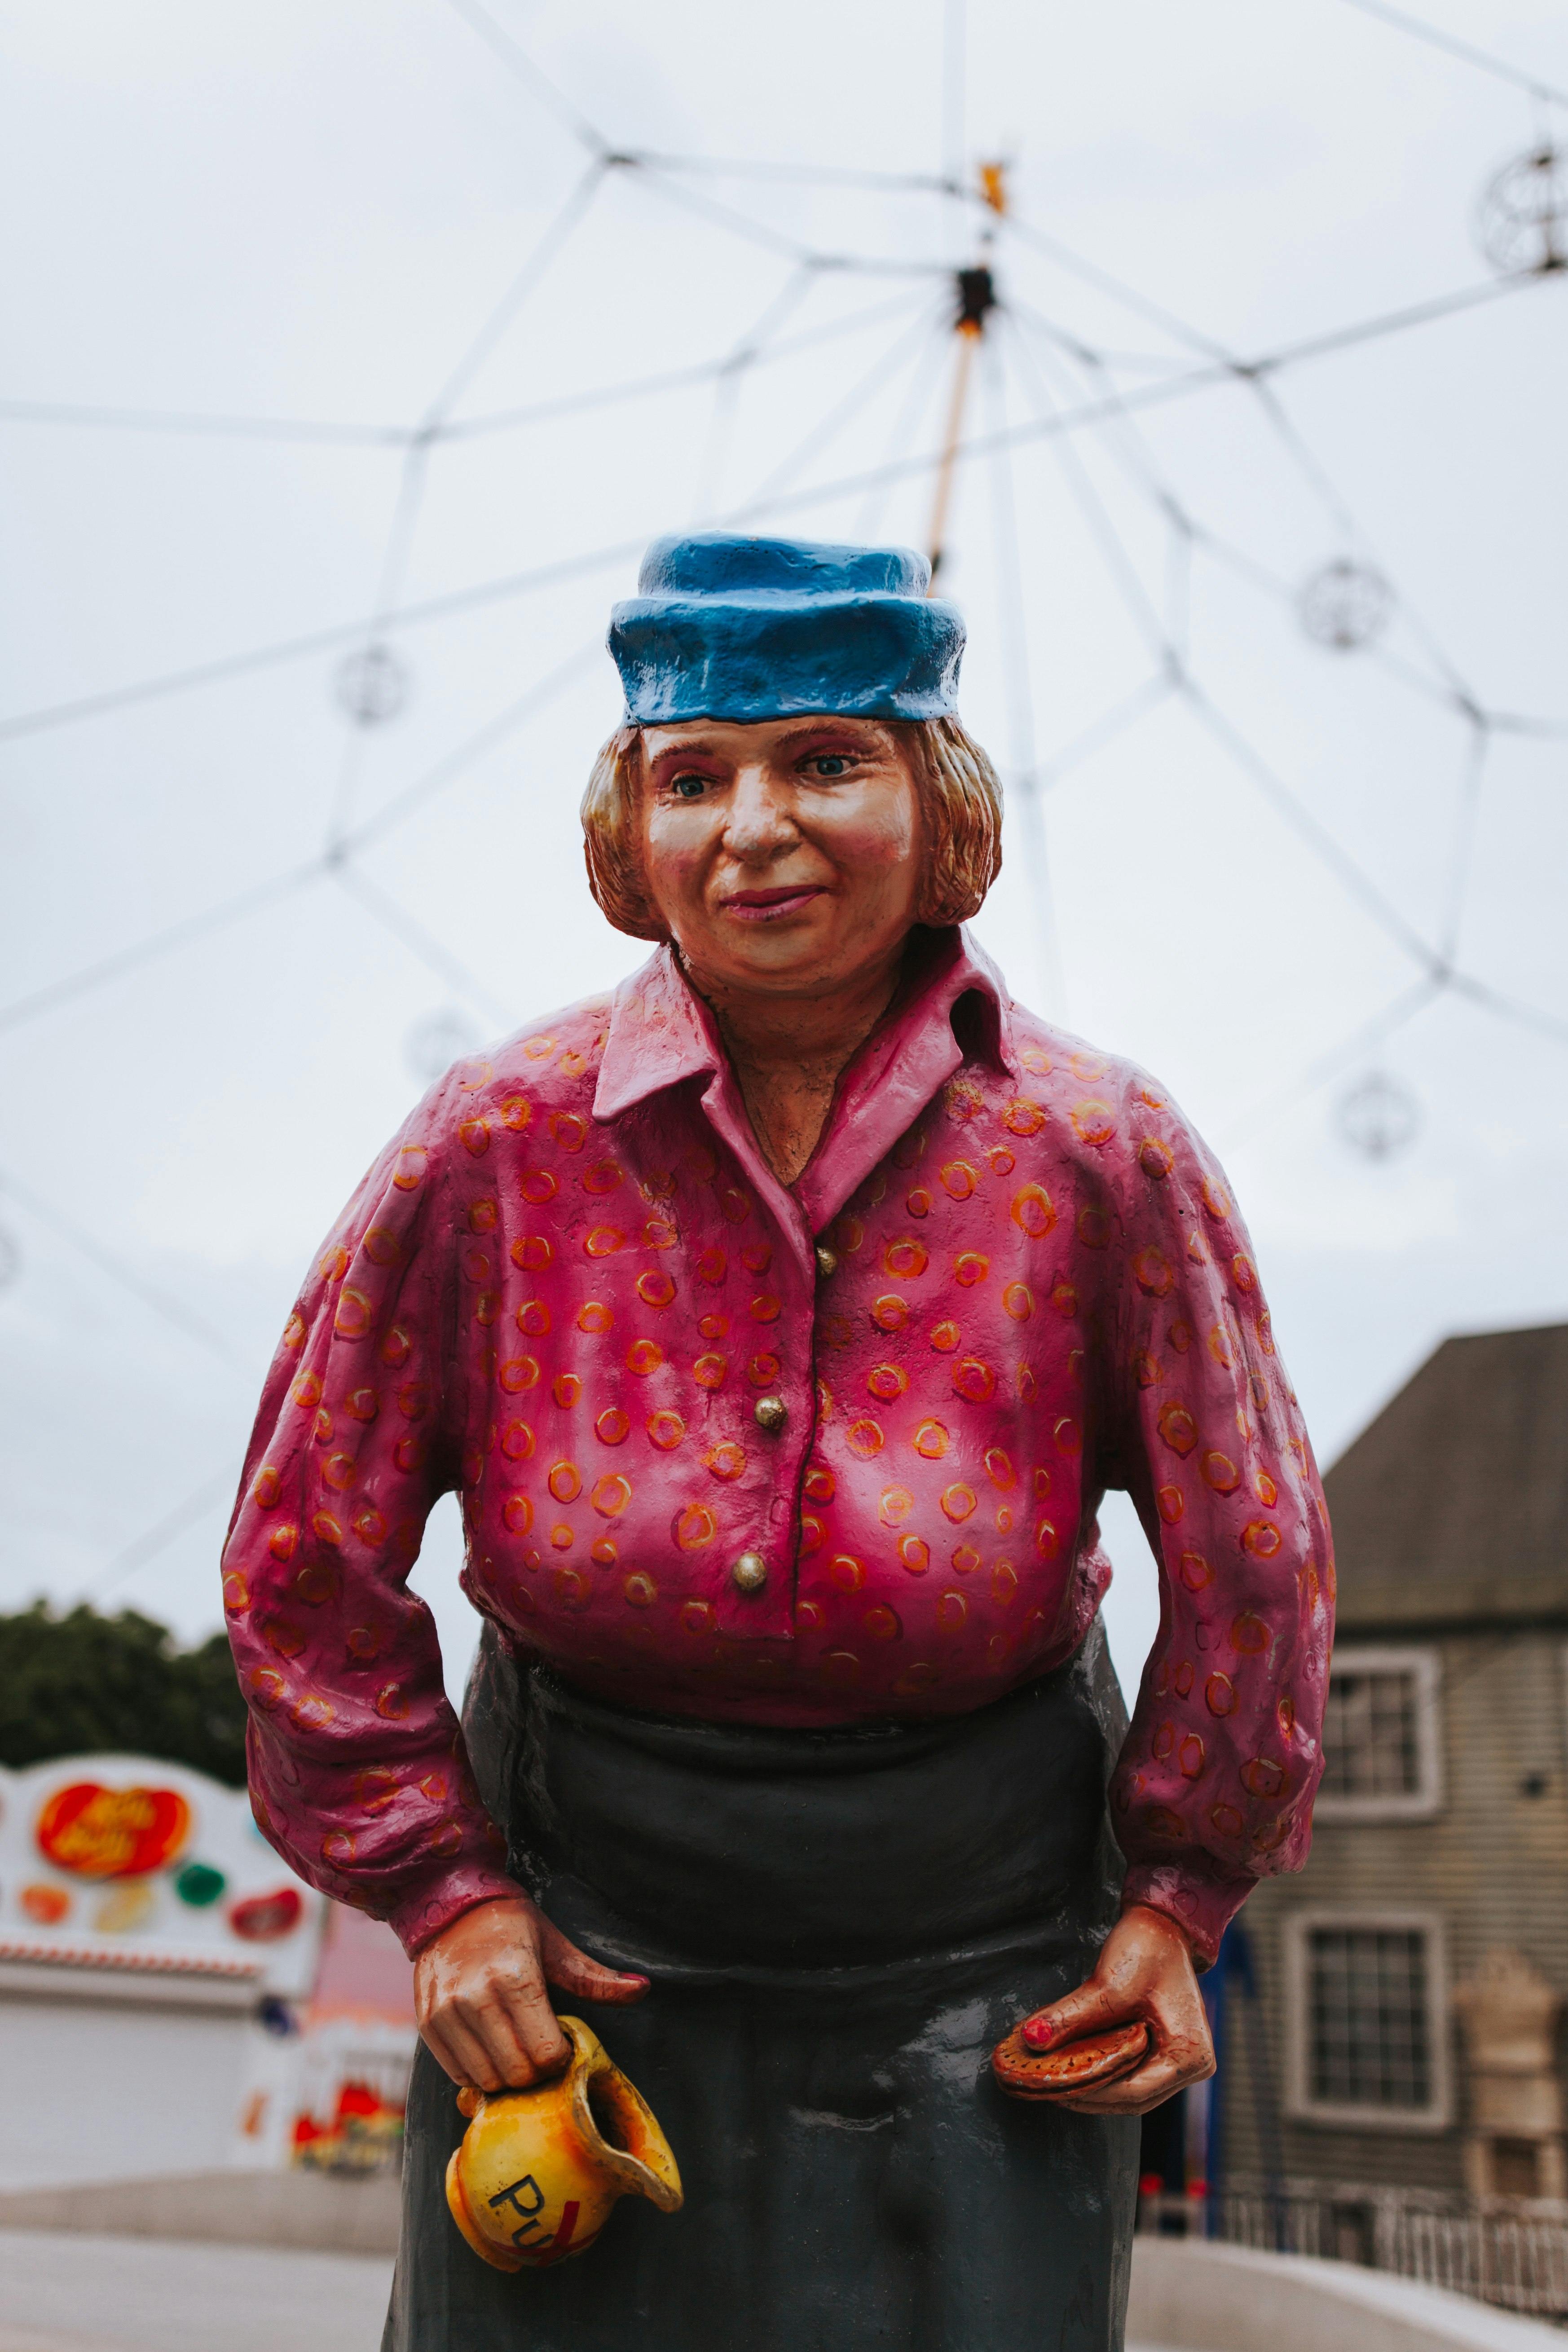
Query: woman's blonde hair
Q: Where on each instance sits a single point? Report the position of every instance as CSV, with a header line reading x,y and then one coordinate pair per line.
x,y
960,802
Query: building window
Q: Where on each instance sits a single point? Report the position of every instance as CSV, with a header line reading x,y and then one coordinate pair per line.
x,y
1380,1750
1369,1735
1368,2017
1367,2010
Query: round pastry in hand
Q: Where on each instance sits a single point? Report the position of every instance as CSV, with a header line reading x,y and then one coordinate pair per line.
x,y
1072,2065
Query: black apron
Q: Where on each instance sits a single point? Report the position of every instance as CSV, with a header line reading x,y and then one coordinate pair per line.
x,y
838,1926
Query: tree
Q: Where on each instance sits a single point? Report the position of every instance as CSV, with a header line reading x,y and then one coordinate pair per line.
x,y
86,1684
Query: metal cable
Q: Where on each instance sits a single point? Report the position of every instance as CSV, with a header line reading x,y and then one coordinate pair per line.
x,y
1015,668
917,399
411,480
1324,1066
107,1262
770,240
743,355
1138,462
500,590
1462,850
1080,489
219,918
1467,51
1510,1008
317,641
107,969
1301,821
123,1566
678,379
1242,755
1106,728
516,61
456,762
465,429
826,430
242,429
818,175
430,951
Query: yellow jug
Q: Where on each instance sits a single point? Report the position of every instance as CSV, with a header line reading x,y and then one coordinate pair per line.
x,y
538,2170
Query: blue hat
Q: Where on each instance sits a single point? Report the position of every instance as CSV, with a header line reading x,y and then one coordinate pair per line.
x,y
763,628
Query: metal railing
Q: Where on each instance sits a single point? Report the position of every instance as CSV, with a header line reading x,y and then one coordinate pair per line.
x,y
1508,2251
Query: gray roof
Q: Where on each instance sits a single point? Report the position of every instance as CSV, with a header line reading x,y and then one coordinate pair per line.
x,y
1452,1507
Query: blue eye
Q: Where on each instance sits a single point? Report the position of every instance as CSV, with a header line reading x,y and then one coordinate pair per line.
x,y
688,788
829,763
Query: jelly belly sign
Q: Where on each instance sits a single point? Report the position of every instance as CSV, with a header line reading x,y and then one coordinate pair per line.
x,y
100,1832
124,1862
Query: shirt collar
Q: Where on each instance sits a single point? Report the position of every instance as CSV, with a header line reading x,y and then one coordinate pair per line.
x,y
661,1033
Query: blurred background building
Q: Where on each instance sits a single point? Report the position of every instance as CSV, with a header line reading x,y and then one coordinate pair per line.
x,y
172,2000
1391,2080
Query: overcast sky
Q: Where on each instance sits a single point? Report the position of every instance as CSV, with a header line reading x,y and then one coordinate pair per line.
x,y
365,218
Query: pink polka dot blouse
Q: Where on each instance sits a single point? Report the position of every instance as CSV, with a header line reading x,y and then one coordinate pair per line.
x,y
802,1457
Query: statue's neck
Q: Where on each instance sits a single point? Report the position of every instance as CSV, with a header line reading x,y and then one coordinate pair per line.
x,y
788,1053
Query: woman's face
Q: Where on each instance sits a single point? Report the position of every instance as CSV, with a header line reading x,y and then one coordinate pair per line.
x,y
783,857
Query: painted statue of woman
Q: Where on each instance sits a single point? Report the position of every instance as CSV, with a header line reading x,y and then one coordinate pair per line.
x,y
781,1320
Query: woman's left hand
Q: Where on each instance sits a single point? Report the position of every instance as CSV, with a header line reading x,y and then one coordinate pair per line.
x,y
1144,1972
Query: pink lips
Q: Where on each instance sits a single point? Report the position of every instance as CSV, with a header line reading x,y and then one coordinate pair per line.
x,y
768,906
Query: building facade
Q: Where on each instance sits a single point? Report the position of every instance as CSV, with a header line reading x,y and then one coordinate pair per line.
x,y
1412,1979
172,1999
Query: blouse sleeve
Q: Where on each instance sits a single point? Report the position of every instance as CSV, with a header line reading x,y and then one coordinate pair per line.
x,y
358,1773
1215,1785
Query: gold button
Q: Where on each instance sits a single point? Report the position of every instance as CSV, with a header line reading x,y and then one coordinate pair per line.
x,y
750,1572
771,1412
826,1260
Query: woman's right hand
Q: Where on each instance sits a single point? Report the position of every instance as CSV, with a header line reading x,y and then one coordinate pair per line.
x,y
481,1999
